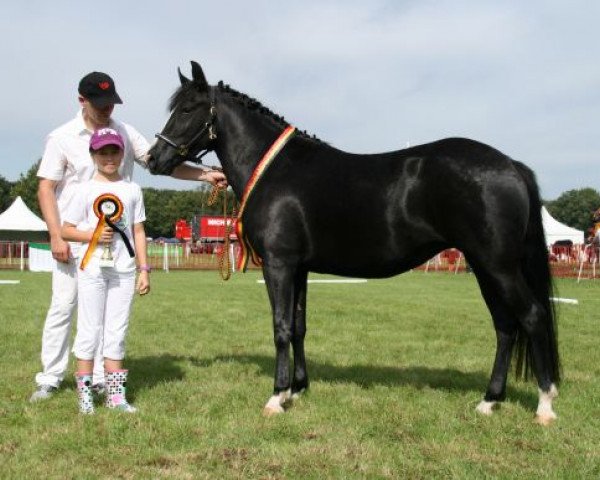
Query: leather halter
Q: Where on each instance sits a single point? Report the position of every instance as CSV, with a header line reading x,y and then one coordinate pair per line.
x,y
183,149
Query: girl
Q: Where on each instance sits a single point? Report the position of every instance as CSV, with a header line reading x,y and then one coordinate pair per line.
x,y
106,215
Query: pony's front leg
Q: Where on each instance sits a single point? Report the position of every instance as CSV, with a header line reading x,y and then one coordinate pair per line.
x,y
279,279
300,379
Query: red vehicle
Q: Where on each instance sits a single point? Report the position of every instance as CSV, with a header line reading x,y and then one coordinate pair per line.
x,y
183,230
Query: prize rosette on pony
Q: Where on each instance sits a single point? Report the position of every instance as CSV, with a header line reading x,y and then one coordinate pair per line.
x,y
109,210
246,250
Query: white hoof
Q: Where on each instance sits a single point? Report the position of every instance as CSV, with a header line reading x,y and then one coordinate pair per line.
x,y
277,404
272,411
485,407
544,414
545,420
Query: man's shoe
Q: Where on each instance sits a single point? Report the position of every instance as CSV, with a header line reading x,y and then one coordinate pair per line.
x,y
42,393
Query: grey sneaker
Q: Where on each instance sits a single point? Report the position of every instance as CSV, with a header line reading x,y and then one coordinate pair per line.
x,y
42,393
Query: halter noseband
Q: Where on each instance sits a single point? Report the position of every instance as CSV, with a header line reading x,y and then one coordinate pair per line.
x,y
183,149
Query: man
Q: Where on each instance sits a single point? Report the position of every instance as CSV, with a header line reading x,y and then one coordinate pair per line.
x,y
66,162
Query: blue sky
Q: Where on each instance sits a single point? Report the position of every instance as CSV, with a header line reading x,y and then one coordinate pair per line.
x,y
371,76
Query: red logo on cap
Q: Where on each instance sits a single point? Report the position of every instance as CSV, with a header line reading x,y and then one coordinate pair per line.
x,y
104,85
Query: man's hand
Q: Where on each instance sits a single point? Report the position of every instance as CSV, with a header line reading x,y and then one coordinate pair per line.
x,y
61,250
183,171
215,177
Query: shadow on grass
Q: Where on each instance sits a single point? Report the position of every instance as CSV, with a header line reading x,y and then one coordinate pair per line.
x,y
368,376
147,372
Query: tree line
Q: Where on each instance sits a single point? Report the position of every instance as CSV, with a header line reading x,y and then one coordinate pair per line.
x,y
165,207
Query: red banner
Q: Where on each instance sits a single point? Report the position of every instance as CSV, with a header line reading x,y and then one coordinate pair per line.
x,y
213,228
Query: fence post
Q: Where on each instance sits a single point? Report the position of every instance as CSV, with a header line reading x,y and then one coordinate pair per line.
x,y
165,257
231,258
457,262
22,255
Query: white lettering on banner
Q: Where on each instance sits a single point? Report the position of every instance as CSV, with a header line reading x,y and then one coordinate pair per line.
x,y
217,222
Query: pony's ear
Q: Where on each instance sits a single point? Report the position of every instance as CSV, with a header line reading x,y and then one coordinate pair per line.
x,y
198,75
183,79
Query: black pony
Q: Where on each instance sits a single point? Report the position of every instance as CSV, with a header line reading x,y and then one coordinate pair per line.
x,y
315,206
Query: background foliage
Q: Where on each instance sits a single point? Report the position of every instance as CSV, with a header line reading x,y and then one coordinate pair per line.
x,y
575,207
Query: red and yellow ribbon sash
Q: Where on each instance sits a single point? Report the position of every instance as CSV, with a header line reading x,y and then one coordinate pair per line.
x,y
246,250
106,206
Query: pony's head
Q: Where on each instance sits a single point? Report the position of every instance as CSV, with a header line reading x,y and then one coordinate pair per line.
x,y
190,128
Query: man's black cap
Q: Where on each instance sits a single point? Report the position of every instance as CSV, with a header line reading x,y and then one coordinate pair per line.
x,y
99,89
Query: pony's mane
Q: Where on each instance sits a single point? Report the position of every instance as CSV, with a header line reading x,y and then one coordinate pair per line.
x,y
253,104
243,99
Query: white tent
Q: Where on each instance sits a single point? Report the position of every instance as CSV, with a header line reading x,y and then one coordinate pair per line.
x,y
17,222
555,230
19,218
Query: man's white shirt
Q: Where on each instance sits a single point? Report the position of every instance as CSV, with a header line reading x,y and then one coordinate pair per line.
x,y
67,160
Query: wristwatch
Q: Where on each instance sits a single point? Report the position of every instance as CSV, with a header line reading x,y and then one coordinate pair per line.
x,y
145,268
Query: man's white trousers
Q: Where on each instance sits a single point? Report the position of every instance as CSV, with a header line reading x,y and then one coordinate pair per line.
x,y
57,328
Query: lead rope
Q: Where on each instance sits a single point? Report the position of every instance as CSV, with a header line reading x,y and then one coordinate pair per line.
x,y
223,258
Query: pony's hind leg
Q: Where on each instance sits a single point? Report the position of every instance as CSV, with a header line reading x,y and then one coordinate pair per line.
x,y
516,311
506,333
496,390
537,326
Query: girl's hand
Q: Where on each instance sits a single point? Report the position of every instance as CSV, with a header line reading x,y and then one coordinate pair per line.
x,y
107,235
143,283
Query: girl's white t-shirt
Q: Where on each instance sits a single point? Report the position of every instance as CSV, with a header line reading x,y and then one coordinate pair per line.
x,y
80,212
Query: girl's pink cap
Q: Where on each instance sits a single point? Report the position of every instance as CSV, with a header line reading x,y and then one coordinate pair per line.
x,y
106,136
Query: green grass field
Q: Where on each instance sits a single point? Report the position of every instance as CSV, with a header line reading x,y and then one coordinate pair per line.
x,y
397,367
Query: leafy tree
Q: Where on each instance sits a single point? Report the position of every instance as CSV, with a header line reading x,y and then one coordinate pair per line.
x,y
157,222
26,187
5,198
575,207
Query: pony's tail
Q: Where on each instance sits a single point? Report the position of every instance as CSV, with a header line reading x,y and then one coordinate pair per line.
x,y
536,270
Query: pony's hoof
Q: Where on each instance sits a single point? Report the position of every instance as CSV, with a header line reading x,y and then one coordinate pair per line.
x,y
545,420
272,411
277,404
485,408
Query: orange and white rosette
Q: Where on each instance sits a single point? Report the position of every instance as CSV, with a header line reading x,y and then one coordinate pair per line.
x,y
109,210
